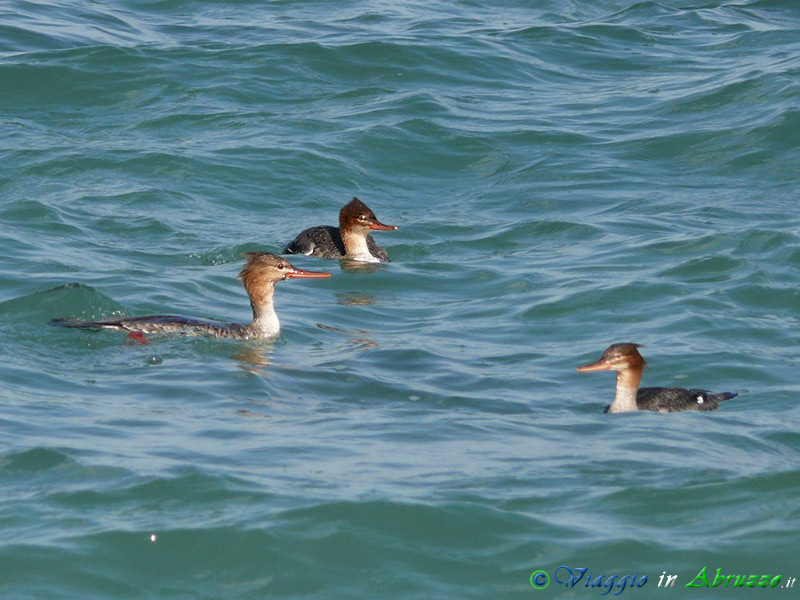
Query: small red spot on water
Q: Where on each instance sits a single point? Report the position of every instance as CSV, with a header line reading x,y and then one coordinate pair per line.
x,y
137,336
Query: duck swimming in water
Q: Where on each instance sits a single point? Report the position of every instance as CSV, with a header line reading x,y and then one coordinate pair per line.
x,y
350,240
628,363
259,276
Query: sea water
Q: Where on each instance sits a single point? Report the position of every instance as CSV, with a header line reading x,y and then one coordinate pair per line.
x,y
564,175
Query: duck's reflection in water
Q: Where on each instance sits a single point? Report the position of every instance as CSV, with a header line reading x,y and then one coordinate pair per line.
x,y
356,266
355,299
254,356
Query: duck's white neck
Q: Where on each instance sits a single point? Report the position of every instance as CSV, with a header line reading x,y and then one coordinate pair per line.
x,y
355,246
265,320
625,395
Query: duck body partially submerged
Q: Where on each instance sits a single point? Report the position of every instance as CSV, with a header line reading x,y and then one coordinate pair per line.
x,y
351,240
626,360
259,276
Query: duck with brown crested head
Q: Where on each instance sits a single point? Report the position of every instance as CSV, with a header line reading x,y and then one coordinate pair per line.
x,y
350,240
260,274
626,360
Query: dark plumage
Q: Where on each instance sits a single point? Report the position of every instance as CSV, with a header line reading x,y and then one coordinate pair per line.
x,y
663,399
158,324
325,241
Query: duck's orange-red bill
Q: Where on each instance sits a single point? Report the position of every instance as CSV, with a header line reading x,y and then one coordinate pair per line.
x,y
600,365
380,226
300,273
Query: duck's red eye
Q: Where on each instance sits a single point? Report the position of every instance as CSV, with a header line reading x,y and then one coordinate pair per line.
x,y
280,266
362,218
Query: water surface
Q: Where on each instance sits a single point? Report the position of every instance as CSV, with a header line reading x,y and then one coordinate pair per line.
x,y
564,175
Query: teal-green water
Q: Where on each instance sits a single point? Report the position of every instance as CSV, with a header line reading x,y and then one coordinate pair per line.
x,y
564,175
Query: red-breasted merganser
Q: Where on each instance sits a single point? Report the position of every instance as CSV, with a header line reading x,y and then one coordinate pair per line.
x,y
628,363
350,240
259,276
